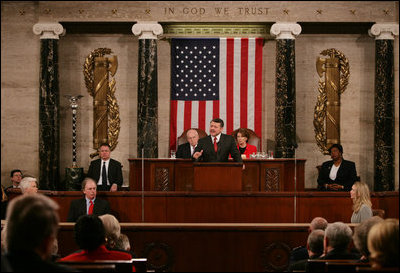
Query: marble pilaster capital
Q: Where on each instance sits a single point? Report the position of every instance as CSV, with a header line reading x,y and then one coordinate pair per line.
x,y
147,30
49,30
384,31
285,30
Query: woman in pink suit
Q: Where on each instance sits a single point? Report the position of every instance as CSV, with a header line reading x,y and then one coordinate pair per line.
x,y
245,149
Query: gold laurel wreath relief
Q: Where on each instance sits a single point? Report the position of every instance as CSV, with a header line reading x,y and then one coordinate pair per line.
x,y
327,109
106,109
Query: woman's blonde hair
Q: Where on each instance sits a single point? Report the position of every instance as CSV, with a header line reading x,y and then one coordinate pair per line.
x,y
112,229
383,243
362,196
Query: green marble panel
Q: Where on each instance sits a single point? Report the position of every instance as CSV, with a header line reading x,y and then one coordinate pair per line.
x,y
384,116
147,130
285,112
49,118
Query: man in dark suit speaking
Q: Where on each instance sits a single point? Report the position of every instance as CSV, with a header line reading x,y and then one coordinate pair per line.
x,y
106,171
217,146
89,204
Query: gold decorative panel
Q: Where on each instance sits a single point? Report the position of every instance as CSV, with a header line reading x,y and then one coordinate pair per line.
x,y
106,121
327,110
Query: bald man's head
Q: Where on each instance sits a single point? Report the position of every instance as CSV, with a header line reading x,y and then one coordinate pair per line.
x,y
318,223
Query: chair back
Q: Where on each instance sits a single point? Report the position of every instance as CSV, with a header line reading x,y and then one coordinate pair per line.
x,y
378,212
182,138
253,139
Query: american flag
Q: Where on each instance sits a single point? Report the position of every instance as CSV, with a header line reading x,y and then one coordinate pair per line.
x,y
215,78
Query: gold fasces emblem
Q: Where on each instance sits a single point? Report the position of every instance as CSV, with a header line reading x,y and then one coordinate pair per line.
x,y
106,121
327,110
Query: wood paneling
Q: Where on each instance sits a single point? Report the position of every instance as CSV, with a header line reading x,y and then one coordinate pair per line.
x,y
230,207
207,247
279,174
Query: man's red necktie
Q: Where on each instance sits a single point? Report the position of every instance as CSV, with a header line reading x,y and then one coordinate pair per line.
x,y
215,144
91,208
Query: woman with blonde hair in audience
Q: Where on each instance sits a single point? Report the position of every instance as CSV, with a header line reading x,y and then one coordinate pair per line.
x,y
383,244
28,185
112,229
362,206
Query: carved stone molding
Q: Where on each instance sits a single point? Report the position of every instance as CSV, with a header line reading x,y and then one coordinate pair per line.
x,y
215,29
49,30
147,30
285,30
384,31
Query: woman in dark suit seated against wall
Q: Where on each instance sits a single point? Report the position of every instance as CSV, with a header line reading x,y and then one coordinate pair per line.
x,y
242,137
337,174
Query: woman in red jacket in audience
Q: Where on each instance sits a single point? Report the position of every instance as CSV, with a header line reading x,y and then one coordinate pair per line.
x,y
91,237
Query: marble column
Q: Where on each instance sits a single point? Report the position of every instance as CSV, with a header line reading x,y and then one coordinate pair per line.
x,y
147,118
384,106
49,103
285,89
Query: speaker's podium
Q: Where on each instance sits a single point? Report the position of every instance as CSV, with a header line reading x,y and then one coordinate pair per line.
x,y
217,176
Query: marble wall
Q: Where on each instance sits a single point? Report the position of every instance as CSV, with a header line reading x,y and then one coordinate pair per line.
x,y
20,52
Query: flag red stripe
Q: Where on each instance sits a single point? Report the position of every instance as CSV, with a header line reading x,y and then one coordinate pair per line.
x,y
216,109
202,114
243,81
187,124
229,84
258,88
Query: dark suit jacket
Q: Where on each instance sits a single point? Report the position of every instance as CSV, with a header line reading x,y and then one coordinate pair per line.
x,y
346,175
24,261
184,151
226,146
337,254
114,172
78,208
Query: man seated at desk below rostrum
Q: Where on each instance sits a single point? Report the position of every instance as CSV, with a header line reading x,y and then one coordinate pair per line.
x,y
186,150
217,146
337,174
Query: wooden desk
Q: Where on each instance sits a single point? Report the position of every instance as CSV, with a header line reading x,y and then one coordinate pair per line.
x,y
226,177
263,175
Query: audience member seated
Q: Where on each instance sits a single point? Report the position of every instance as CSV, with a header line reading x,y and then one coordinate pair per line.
x,y
89,204
301,252
337,239
383,244
315,248
360,237
337,174
186,150
112,229
16,176
242,137
90,236
113,233
32,224
4,203
123,243
29,185
362,206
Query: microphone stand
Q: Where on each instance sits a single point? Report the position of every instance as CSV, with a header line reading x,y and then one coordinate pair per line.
x,y
295,183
